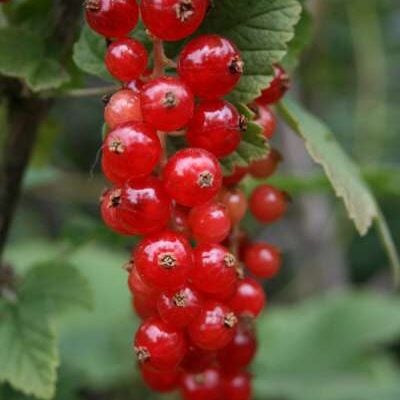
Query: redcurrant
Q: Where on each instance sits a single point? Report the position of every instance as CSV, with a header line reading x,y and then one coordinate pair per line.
x,y
109,213
263,260
236,203
180,221
265,167
238,174
206,385
237,386
137,286
197,360
160,381
144,307
266,119
277,88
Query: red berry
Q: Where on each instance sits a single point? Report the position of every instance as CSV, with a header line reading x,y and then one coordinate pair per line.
x,y
137,286
164,260
263,260
192,177
197,360
216,126
179,308
144,307
180,221
268,204
237,386
214,327
112,18
210,222
160,381
238,174
249,299
265,167
211,65
139,208
130,151
109,213
215,270
236,204
266,119
123,107
202,386
126,59
158,345
239,353
277,88
173,19
167,103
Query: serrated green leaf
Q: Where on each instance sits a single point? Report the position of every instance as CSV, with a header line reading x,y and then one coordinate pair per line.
x,y
261,30
48,74
343,175
28,351
253,146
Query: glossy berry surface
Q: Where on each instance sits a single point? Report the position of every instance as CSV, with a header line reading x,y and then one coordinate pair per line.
x,y
192,177
217,127
130,151
249,299
112,18
268,204
237,386
123,107
167,103
206,385
210,222
197,360
179,222
179,308
140,207
215,269
240,351
126,59
173,19
164,260
277,88
109,213
263,260
235,202
236,177
266,119
160,381
144,307
137,286
267,166
214,327
211,65
159,345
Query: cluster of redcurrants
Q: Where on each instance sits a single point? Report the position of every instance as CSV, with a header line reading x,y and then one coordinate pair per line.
x,y
197,304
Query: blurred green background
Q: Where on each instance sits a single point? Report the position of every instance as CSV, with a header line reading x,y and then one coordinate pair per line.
x,y
332,328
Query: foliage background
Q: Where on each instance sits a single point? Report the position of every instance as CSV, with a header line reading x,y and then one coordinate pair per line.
x,y
333,323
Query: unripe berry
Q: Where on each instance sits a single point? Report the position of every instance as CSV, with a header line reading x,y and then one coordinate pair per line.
x,y
263,260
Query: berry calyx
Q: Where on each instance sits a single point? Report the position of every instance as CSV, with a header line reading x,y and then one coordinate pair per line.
x,y
173,19
109,212
277,88
192,177
266,167
211,65
110,18
206,385
130,151
263,260
167,103
217,127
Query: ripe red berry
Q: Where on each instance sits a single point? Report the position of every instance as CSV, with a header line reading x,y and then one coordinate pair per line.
x,y
130,151
266,119
138,208
268,204
265,167
214,327
112,18
192,177
263,260
216,126
215,270
238,174
210,222
173,19
206,385
126,59
137,286
179,220
237,386
179,308
235,202
123,107
211,65
249,299
167,103
159,345
277,88
197,360
160,381
144,307
239,353
164,260
109,213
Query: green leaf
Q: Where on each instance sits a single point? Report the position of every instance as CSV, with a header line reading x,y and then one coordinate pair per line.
x,y
253,146
28,351
47,74
261,30
342,173
89,52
